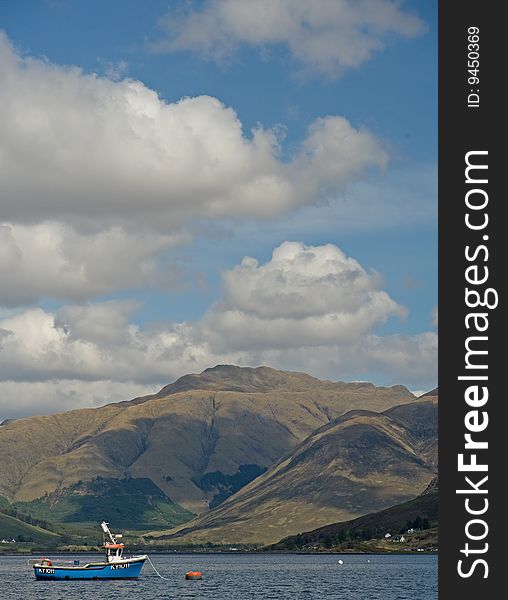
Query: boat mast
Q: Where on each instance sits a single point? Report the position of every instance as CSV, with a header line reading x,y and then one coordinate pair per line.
x,y
107,532
113,548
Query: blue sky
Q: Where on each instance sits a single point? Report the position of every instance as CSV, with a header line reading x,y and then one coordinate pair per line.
x,y
381,213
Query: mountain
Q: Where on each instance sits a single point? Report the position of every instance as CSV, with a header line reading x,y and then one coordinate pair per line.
x,y
420,512
358,463
198,440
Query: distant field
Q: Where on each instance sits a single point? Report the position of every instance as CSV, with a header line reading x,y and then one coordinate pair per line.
x,y
10,527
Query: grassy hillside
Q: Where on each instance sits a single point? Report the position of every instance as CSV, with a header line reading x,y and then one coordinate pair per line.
x,y
197,440
133,504
11,527
14,525
359,463
420,513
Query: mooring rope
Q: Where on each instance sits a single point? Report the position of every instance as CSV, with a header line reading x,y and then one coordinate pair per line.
x,y
153,567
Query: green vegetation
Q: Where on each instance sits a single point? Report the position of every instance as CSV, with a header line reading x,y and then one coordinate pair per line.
x,y
134,504
6,508
12,528
226,485
150,544
22,528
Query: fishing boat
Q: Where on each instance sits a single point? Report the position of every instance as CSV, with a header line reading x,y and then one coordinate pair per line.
x,y
115,565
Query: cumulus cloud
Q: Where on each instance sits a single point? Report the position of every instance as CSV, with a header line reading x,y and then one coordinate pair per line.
x,y
324,37
77,148
309,307
99,176
304,296
54,260
91,342
96,341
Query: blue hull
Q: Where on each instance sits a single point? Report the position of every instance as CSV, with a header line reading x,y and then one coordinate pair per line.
x,y
94,571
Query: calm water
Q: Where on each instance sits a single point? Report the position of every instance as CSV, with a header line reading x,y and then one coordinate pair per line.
x,y
242,577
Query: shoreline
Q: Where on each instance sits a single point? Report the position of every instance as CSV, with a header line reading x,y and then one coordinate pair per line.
x,y
243,552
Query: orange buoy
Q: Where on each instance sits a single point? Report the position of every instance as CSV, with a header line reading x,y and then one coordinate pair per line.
x,y
193,575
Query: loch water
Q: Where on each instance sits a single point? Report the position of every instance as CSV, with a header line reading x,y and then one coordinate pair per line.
x,y
239,576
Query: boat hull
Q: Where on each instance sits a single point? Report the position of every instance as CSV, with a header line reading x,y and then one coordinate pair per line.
x,y
130,569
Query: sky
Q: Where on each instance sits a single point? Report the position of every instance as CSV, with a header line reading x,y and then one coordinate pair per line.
x,y
185,184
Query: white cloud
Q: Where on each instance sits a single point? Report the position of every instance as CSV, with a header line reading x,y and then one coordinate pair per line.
x,y
325,37
308,308
304,296
99,176
90,342
54,260
407,359
23,399
414,355
79,148
404,198
94,342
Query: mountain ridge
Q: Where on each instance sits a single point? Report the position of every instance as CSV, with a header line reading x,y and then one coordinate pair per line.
x,y
219,421
360,462
200,440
